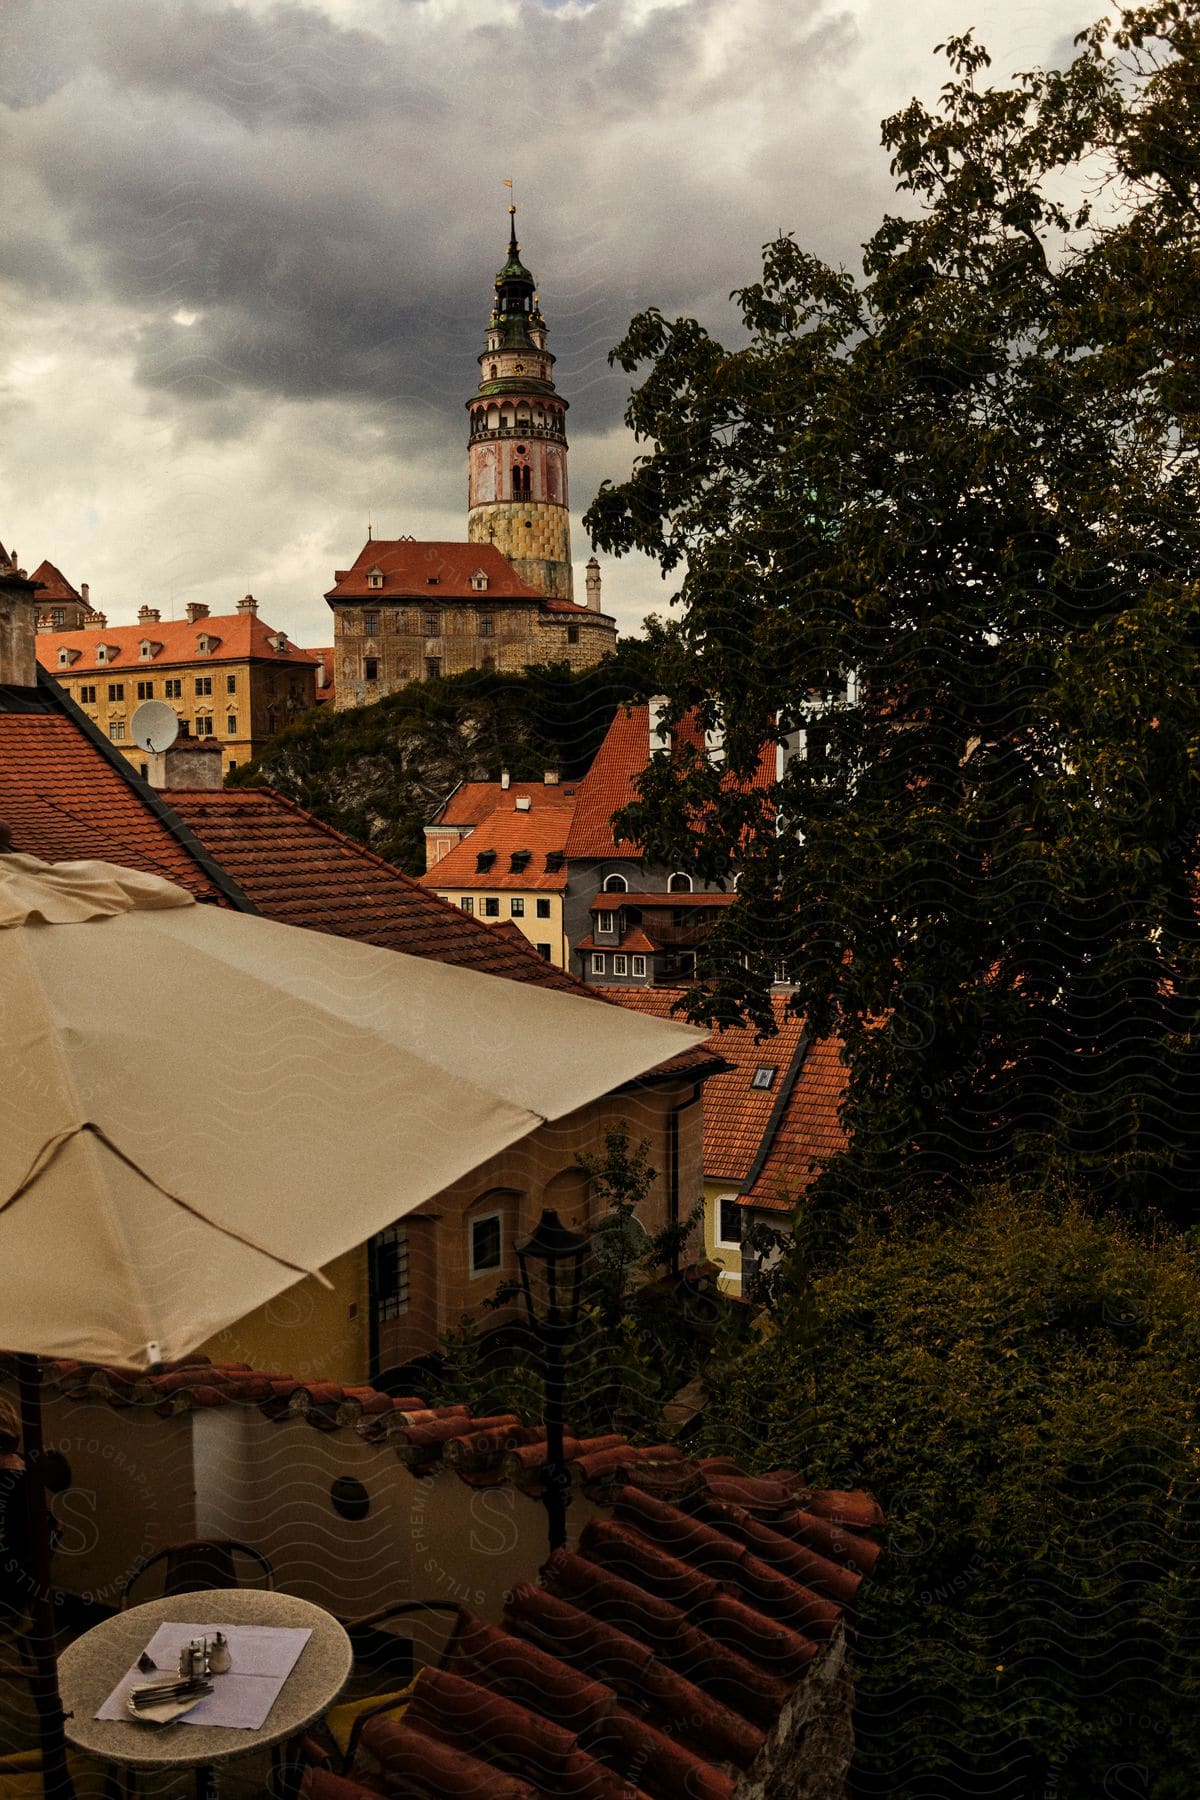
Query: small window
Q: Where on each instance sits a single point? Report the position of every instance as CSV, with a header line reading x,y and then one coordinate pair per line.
x,y
145,690
431,624
639,966
543,909
230,725
232,764
764,1076
116,730
620,965
606,921
555,860
389,1272
572,634
203,728
371,624
432,580
375,579
231,684
58,617
116,690
484,860
144,769
599,962
519,861
87,695
615,884
370,668
516,907
543,951
145,650
491,906
486,1244
174,689
487,626
467,903
433,667
729,1221
679,884
203,684
101,653
64,659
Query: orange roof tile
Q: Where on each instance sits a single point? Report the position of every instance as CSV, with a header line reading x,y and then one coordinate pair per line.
x,y
736,1115
654,1658
67,798
241,635
611,902
436,569
808,1131
634,939
55,585
503,834
609,784
473,801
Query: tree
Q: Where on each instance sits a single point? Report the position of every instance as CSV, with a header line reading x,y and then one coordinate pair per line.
x,y
1016,1386
970,480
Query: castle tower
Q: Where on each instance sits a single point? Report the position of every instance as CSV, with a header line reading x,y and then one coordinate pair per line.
x,y
517,455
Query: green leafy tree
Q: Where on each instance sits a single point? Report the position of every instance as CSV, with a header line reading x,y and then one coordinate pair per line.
x,y
1017,1387
968,479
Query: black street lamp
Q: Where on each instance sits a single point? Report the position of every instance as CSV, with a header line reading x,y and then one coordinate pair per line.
x,y
551,1265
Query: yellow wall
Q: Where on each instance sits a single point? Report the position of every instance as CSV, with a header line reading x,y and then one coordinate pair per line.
x,y
256,685
728,1256
312,1332
537,931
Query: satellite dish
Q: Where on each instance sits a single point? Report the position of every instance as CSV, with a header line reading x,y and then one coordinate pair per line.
x,y
154,725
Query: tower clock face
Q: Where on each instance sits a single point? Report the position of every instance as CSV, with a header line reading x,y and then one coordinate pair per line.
x,y
520,368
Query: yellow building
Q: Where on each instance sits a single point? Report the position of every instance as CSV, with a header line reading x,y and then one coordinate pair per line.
x,y
229,677
497,852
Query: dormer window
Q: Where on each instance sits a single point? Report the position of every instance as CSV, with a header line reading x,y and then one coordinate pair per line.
x,y
479,581
64,659
375,578
432,580
148,649
101,653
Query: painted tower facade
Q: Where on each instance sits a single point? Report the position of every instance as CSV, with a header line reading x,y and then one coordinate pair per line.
x,y
517,456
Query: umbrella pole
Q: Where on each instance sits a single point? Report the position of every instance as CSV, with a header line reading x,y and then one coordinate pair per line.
x,y
56,1781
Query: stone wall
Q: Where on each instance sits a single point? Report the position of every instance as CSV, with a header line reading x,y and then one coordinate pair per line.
x,y
808,1753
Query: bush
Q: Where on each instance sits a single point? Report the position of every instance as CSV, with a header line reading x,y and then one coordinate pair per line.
x,y
1018,1389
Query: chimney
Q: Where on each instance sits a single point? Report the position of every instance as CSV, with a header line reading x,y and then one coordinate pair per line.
x,y
551,777
147,615
505,779
522,803
83,593
593,584
100,621
18,627
660,736
191,764
247,604
195,610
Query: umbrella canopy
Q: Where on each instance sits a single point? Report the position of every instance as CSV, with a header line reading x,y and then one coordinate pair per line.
x,y
197,1108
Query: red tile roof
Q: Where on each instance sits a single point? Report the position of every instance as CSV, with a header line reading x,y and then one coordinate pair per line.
x,y
808,1131
66,800
634,939
241,635
303,872
609,784
610,902
473,801
651,1660
55,585
736,1115
436,569
542,830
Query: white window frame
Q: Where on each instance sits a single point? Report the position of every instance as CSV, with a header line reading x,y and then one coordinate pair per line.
x,y
472,1225
680,875
639,966
608,887
599,962
606,921
723,1243
620,965
467,903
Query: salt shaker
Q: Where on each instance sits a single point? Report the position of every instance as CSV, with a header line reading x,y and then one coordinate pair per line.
x,y
219,1659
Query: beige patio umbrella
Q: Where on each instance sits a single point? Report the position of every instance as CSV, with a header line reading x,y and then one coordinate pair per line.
x,y
198,1108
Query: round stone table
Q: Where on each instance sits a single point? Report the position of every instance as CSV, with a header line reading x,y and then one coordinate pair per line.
x,y
91,1667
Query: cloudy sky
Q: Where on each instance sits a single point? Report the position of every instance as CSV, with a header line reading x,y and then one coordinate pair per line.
x,y
248,248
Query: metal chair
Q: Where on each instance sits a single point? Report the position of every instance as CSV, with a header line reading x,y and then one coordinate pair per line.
x,y
203,1563
384,1656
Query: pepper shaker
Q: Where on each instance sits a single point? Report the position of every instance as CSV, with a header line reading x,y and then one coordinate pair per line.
x,y
219,1659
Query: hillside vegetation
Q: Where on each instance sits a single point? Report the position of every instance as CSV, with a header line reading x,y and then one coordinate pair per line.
x,y
380,772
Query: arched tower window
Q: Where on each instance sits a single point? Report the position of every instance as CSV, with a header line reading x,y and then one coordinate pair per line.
x,y
493,372
679,883
522,479
615,884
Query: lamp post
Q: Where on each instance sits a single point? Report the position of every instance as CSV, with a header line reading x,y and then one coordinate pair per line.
x,y
551,1265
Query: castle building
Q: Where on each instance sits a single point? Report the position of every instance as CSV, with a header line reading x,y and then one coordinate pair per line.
x,y
62,607
411,611
230,678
